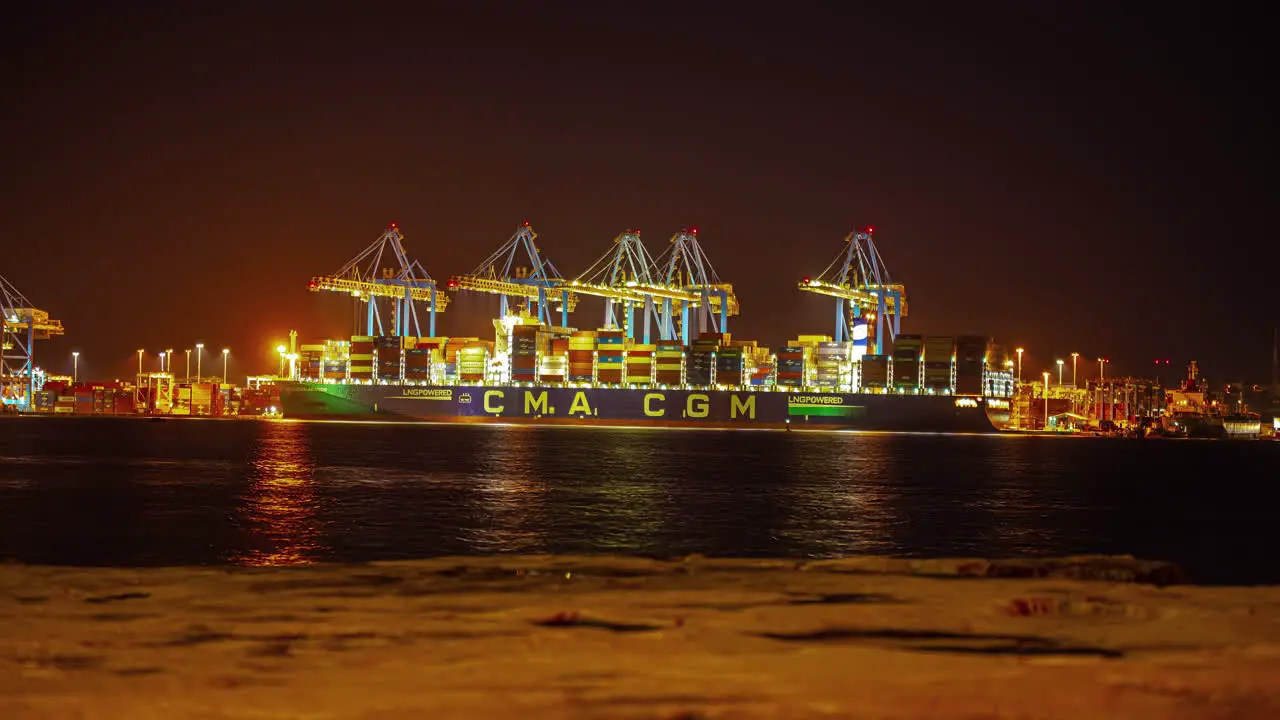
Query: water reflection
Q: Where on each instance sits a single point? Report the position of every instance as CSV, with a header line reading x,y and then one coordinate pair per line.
x,y
280,502
845,497
509,493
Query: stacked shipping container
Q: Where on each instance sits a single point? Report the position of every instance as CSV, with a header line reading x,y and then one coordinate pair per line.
x,y
582,349
610,360
669,365
524,353
939,353
907,350
831,364
362,358
701,368
640,364
971,352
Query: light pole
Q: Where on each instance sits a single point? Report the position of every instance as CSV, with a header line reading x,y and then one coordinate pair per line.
x,y
188,376
1046,399
140,352
199,357
225,353
1074,357
161,361
1019,351
169,359
281,349
75,367
1101,373
1059,373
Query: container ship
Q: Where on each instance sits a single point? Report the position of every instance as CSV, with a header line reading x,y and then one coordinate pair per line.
x,y
552,376
867,376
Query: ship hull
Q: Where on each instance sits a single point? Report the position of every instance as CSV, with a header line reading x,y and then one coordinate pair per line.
x,y
619,407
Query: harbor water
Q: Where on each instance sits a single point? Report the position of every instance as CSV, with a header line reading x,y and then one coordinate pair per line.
x,y
132,492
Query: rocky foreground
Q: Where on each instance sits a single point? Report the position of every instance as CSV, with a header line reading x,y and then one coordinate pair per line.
x,y
593,637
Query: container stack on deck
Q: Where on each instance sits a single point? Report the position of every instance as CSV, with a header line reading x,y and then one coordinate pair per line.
x,y
907,350
419,358
763,365
831,361
389,352
939,356
473,360
700,368
874,372
610,352
554,366
791,364
970,353
640,364
730,364
582,349
524,353
362,357
669,366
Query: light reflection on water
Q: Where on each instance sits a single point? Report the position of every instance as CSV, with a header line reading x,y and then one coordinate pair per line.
x,y
105,492
280,501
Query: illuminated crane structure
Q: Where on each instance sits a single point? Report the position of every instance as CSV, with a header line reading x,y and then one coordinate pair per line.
x,y
860,283
538,281
684,279
617,277
21,325
384,274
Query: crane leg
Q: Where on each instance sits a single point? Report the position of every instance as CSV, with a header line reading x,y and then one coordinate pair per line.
x,y
432,321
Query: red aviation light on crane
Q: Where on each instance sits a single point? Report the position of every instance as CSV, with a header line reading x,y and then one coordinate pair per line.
x,y
806,280
693,231
393,226
869,230
526,224
452,284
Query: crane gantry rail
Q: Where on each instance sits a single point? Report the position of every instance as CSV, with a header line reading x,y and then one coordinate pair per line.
x,y
404,282
860,283
21,325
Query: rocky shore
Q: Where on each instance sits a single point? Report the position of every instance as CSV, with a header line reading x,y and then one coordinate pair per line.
x,y
607,637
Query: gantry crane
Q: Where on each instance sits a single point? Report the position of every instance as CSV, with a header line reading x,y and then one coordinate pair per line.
x,y
503,275
860,283
384,271
21,325
617,277
684,279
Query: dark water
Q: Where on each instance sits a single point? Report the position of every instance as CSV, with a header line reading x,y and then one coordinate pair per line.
x,y
130,492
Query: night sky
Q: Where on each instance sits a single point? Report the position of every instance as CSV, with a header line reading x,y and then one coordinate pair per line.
x,y
1054,174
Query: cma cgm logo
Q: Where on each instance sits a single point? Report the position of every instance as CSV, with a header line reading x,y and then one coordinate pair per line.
x,y
966,402
999,404
815,399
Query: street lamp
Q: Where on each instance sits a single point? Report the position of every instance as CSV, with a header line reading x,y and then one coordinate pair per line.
x,y
140,352
188,352
75,367
161,361
281,349
1074,357
225,353
1046,399
1019,351
1101,364
1059,373
199,357
169,359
